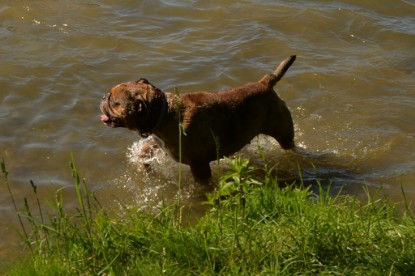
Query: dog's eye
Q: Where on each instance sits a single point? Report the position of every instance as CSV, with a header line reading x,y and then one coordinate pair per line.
x,y
114,104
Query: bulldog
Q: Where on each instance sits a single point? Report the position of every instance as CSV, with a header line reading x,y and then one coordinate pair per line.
x,y
200,127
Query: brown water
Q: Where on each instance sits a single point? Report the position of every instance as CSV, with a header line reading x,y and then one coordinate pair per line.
x,y
351,90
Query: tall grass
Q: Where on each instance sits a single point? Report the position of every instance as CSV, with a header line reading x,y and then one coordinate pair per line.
x,y
181,132
254,226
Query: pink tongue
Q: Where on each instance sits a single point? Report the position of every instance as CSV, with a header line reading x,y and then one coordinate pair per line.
x,y
104,118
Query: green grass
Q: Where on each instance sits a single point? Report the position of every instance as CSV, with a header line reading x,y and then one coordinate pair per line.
x,y
254,227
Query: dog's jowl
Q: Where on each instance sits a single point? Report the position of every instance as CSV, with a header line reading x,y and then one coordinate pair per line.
x,y
213,124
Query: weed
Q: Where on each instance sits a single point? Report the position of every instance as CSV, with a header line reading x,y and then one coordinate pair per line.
x,y
254,226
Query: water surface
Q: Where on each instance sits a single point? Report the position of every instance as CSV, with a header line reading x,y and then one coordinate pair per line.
x,y
351,90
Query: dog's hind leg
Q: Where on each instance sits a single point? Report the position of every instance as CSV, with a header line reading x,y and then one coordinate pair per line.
x,y
281,128
284,138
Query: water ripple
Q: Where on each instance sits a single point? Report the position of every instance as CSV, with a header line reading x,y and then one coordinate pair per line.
x,y
351,89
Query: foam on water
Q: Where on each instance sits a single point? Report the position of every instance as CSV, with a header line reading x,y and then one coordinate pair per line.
x,y
162,182
331,166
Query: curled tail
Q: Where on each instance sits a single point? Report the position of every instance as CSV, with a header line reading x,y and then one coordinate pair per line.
x,y
271,79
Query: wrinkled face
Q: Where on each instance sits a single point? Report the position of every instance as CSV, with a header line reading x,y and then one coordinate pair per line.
x,y
126,104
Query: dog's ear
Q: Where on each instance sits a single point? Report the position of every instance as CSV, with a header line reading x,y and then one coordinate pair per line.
x,y
143,80
140,105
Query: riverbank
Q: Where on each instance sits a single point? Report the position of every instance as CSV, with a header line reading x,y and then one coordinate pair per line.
x,y
254,226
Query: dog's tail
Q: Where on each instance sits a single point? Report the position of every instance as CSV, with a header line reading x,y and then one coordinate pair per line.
x,y
271,79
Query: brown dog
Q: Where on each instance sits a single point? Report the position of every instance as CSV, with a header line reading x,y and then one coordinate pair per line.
x,y
212,125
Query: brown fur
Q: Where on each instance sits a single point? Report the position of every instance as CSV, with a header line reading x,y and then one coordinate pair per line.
x,y
213,124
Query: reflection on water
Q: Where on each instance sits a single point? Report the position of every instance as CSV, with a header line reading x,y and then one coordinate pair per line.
x,y
351,90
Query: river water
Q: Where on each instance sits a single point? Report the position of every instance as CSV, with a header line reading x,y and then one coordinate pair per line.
x,y
351,91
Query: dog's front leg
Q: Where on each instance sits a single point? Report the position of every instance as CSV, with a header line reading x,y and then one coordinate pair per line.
x,y
147,152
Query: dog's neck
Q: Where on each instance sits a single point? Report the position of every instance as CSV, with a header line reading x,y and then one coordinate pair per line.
x,y
143,133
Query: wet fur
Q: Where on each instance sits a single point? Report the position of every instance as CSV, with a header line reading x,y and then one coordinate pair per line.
x,y
214,124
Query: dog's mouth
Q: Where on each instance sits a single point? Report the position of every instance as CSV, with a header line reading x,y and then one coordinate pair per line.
x,y
107,110
111,121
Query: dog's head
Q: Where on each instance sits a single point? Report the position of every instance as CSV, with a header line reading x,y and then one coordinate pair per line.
x,y
132,105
